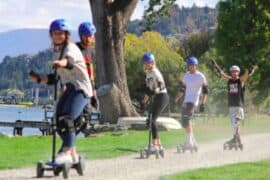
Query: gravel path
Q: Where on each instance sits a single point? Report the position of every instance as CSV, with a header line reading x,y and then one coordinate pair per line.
x,y
256,147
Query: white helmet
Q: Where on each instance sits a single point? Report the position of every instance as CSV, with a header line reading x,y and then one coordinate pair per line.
x,y
234,68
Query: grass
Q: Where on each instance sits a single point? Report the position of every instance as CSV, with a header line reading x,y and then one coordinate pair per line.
x,y
26,151
241,171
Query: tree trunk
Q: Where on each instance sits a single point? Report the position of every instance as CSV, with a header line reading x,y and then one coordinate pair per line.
x,y
111,19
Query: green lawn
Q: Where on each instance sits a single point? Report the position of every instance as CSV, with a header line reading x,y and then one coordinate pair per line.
x,y
242,171
26,151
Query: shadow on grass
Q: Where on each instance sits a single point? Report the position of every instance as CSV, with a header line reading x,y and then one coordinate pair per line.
x,y
126,150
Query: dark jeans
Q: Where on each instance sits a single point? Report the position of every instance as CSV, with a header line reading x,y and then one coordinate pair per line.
x,y
159,102
71,103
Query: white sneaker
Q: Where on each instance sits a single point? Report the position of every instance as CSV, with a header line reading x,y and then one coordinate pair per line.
x,y
75,158
62,158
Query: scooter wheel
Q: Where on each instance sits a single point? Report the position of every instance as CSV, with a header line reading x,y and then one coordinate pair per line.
x,y
241,147
157,154
57,171
40,169
65,170
178,149
147,154
183,149
161,152
196,149
142,154
80,166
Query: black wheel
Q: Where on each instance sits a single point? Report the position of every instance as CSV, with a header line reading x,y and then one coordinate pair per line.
x,y
161,153
57,171
241,147
40,169
183,149
142,154
80,166
178,149
65,170
147,154
157,154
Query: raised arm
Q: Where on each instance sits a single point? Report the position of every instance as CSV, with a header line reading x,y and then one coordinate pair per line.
x,y
244,77
248,72
220,71
224,75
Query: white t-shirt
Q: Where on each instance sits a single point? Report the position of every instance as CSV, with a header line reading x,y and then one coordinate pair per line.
x,y
193,83
152,78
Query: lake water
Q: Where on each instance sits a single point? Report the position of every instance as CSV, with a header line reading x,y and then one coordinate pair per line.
x,y
13,113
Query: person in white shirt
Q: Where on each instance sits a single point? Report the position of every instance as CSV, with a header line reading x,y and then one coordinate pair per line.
x,y
156,90
76,87
193,85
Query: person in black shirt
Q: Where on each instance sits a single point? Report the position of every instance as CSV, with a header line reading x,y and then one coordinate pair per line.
x,y
236,101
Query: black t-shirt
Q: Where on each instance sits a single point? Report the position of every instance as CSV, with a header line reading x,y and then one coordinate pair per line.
x,y
235,93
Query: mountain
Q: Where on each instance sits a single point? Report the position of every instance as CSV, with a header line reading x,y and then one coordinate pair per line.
x,y
25,41
14,70
181,23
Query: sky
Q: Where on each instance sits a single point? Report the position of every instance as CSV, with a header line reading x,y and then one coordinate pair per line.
x,y
18,14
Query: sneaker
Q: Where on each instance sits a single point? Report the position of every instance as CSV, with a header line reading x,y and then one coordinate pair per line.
x,y
62,158
75,158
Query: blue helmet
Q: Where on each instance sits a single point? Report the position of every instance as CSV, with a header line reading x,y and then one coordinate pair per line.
x,y
87,29
148,57
192,60
60,24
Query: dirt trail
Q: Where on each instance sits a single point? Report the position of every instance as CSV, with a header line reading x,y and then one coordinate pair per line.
x,y
256,147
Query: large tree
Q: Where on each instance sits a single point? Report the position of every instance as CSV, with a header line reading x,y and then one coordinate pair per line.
x,y
111,18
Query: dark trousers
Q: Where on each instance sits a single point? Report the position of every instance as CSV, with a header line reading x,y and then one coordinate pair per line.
x,y
159,102
71,103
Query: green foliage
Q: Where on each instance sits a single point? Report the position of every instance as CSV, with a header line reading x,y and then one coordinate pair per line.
x,y
243,34
243,30
198,43
169,62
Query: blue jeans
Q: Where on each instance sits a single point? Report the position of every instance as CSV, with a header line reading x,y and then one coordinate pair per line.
x,y
71,103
